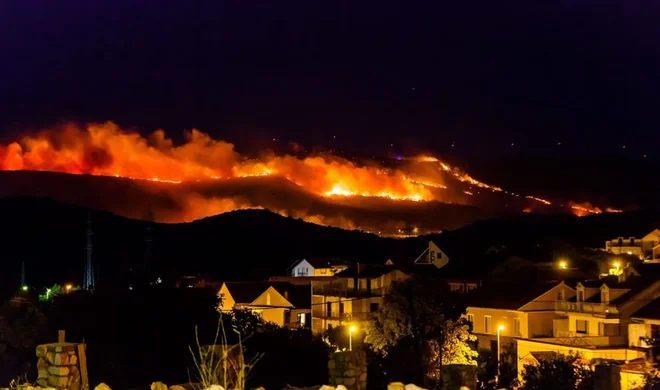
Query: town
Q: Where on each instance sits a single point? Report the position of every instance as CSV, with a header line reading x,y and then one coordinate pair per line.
x,y
594,308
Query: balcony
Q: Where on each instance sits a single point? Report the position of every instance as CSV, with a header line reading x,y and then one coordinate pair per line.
x,y
585,341
356,316
595,309
344,292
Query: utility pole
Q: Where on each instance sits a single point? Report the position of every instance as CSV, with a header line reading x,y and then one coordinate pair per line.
x,y
88,279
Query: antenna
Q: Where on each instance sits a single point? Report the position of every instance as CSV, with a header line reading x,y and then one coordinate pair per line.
x,y
88,279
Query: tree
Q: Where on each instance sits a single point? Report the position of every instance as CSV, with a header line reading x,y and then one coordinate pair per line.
x,y
563,372
422,311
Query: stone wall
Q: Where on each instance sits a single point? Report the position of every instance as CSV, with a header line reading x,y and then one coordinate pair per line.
x,y
348,369
58,366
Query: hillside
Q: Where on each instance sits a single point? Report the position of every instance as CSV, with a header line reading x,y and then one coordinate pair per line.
x,y
253,244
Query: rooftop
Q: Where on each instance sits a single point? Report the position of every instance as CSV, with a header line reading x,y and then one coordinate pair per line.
x,y
650,311
366,271
510,296
327,263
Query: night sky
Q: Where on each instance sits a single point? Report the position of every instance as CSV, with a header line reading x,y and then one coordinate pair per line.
x,y
479,75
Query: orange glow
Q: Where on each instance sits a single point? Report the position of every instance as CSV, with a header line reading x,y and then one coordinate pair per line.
x,y
107,150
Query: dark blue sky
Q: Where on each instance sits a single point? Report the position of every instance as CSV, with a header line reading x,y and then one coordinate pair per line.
x,y
480,74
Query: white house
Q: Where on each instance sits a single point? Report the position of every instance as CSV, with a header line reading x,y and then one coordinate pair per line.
x,y
646,248
318,267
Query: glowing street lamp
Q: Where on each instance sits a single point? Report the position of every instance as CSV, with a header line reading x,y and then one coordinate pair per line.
x,y
24,287
563,264
68,287
499,329
350,337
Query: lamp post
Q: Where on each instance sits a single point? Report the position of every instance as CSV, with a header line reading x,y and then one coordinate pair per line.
x,y
350,337
499,329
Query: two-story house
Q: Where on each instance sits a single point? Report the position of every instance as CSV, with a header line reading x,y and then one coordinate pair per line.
x,y
283,304
523,310
646,248
595,323
351,295
318,267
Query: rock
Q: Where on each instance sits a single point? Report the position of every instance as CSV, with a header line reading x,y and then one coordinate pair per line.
x,y
177,387
58,381
396,386
41,350
158,386
59,371
411,386
102,386
340,387
326,387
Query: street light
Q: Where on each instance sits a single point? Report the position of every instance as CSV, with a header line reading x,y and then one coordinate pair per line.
x,y
499,329
68,287
563,264
350,337
24,287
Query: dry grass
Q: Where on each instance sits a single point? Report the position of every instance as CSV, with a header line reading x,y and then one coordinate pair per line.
x,y
221,364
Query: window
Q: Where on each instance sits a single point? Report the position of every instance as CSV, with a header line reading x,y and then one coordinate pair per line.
x,y
268,298
605,296
581,326
328,309
560,295
470,318
373,307
580,296
632,241
516,327
301,319
432,256
620,241
487,328
461,288
341,308
471,286
351,283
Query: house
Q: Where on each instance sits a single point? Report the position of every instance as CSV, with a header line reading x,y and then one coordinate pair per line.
x,y
646,248
318,267
431,255
351,295
596,322
523,310
283,304
644,330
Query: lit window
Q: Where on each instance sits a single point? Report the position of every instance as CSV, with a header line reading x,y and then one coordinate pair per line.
x,y
470,318
487,328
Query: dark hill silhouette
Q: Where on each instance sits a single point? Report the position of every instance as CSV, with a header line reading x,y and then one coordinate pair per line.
x,y
254,244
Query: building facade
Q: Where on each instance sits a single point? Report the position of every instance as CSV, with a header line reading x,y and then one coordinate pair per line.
x,y
351,296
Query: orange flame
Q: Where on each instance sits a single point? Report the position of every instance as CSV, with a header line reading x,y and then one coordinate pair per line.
x,y
107,150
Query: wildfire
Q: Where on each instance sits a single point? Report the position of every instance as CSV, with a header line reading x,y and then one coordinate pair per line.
x,y
107,150
586,208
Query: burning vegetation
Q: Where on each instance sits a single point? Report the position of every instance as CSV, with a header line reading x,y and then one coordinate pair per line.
x,y
107,150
